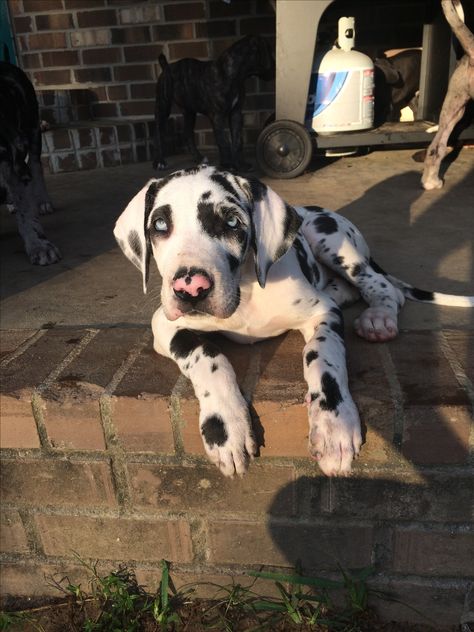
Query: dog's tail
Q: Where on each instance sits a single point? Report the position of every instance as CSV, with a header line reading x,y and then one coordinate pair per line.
x,y
163,62
424,296
454,15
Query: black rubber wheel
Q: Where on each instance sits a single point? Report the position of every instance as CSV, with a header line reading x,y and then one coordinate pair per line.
x,y
284,149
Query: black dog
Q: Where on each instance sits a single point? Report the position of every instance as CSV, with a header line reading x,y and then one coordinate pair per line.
x,y
397,80
214,88
21,174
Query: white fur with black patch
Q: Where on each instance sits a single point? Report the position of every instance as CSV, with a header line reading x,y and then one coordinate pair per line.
x,y
271,268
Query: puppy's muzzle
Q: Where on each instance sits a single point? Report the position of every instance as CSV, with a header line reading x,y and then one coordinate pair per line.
x,y
192,285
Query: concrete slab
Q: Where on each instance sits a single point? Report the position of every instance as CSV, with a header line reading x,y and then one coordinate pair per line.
x,y
423,237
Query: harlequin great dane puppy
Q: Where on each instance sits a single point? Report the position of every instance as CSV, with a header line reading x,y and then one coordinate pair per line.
x,y
235,258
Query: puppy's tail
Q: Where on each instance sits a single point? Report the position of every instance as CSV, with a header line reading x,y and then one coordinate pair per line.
x,y
163,62
424,296
435,298
454,15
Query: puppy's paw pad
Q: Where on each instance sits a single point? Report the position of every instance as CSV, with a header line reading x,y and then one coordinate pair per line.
x,y
376,325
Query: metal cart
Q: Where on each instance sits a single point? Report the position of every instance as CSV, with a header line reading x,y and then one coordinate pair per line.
x,y
286,146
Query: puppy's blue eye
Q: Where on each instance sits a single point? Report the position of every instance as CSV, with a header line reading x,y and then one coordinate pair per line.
x,y
232,221
160,225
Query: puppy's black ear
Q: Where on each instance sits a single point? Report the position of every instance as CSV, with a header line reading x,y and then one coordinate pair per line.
x,y
275,224
131,230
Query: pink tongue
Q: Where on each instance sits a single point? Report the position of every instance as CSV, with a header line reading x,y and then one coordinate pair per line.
x,y
192,285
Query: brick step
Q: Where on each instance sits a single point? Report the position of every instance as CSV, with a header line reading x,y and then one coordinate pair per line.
x,y
102,456
91,144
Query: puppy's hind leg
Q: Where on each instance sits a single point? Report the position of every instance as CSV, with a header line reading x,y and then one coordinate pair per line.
x,y
451,113
337,243
41,195
189,122
163,101
223,143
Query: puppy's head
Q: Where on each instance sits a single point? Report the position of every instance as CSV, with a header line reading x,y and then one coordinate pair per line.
x,y
199,225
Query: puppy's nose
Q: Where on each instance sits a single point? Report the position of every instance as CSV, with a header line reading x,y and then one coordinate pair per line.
x,y
192,286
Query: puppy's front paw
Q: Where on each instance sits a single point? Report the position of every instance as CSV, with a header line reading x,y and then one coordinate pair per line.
x,y
43,253
160,165
432,182
46,207
376,324
229,440
334,437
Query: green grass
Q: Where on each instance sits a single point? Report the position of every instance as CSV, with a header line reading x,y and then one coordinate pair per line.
x,y
117,603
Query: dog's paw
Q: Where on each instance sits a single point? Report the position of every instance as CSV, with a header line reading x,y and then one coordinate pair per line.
x,y
334,437
43,253
429,184
376,324
229,440
46,207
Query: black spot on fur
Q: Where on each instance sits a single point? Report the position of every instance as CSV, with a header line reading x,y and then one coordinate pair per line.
x,y
163,212
303,260
421,295
316,274
258,190
214,367
233,262
223,182
150,196
337,325
213,430
321,338
313,396
376,267
183,343
337,260
292,223
206,195
297,302
331,392
214,223
209,349
206,394
311,356
135,244
325,224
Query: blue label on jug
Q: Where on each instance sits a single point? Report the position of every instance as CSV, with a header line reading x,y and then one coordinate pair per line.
x,y
323,89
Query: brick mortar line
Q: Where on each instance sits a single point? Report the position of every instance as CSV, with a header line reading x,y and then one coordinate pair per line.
x,y
200,545
26,344
66,361
176,419
386,576
37,402
189,460
32,536
118,459
463,381
332,522
396,394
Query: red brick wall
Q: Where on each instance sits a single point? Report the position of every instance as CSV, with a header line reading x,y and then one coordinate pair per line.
x,y
101,455
103,53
